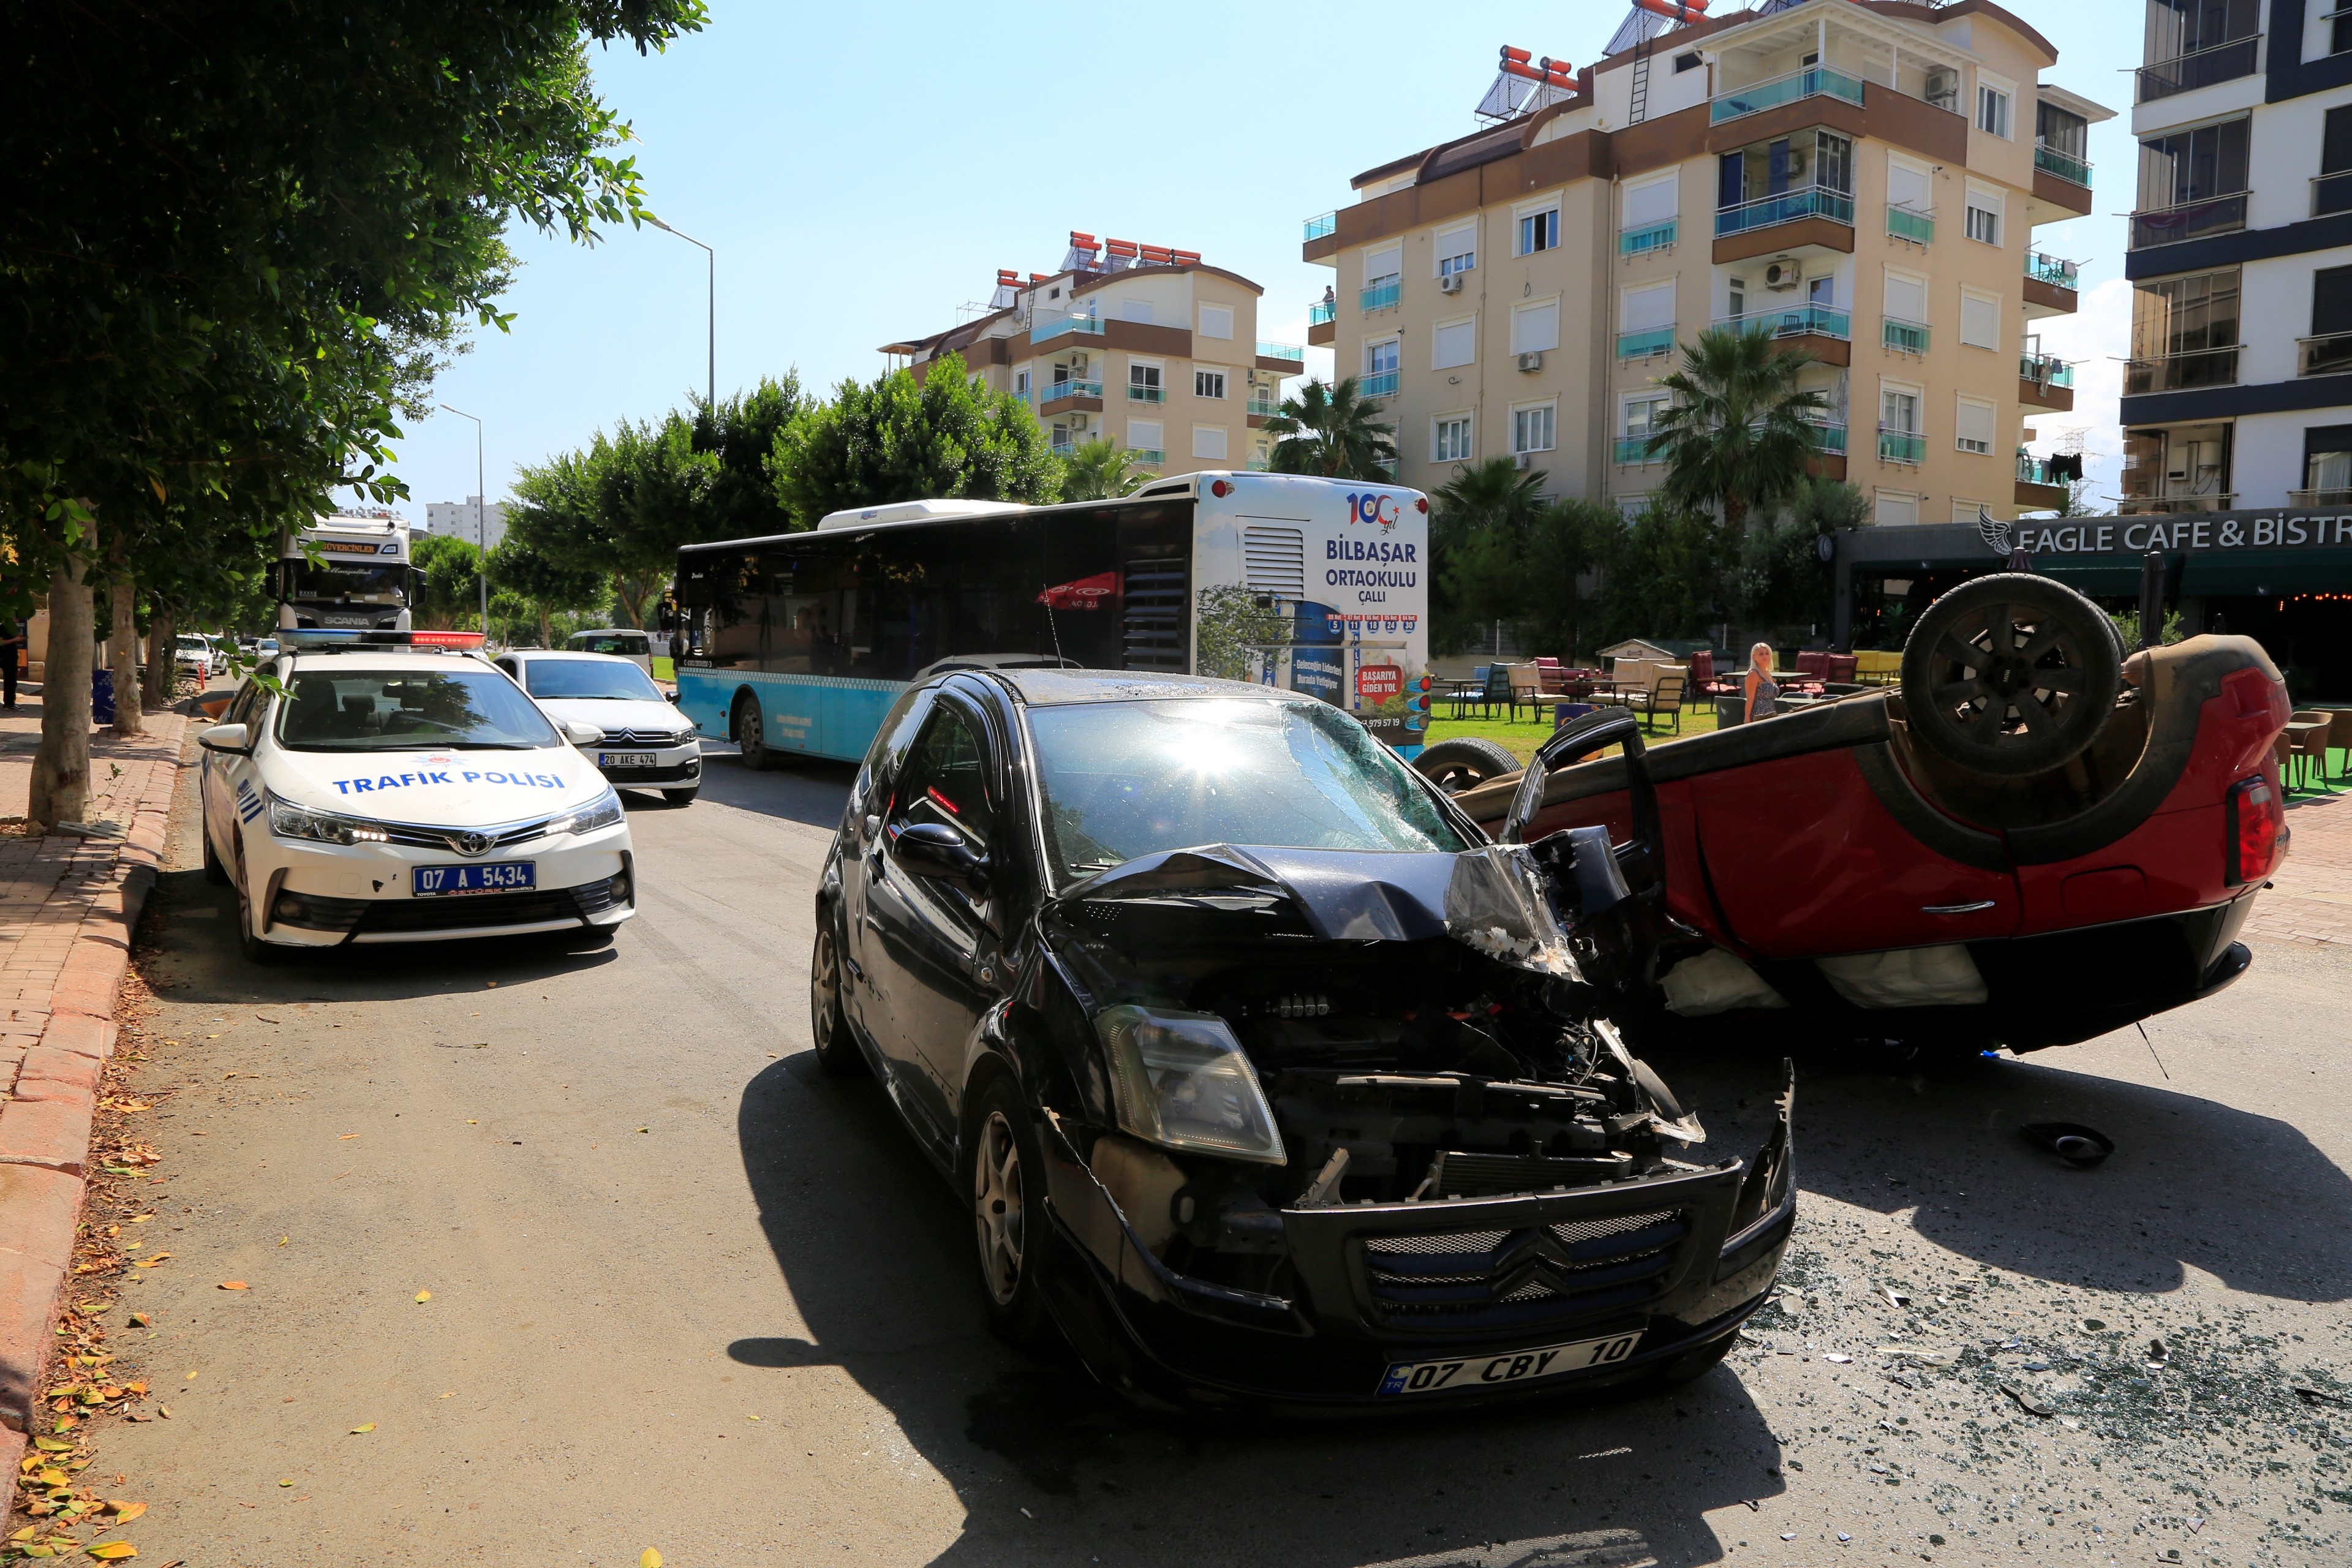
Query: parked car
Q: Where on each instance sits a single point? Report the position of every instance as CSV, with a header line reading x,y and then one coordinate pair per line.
x,y
2032,842
620,642
192,653
643,742
1299,1058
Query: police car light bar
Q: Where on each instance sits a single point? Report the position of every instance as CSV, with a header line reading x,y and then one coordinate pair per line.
x,y
327,638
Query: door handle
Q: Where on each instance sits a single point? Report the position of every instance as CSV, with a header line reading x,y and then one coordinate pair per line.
x,y
1955,909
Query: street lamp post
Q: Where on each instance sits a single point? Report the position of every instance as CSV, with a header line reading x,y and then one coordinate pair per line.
x,y
481,517
712,258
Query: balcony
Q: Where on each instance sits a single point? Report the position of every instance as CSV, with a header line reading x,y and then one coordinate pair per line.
x,y
1149,457
2181,372
2173,506
2199,68
2052,271
1380,383
1289,353
1262,408
1830,438
1063,449
2328,356
1146,394
2034,470
2048,370
1901,337
1323,313
1647,343
1644,241
1381,295
1064,393
1813,81
2067,167
1909,223
1321,225
1046,330
1902,446
2336,497
1635,451
1789,206
2331,193
1796,322
2190,220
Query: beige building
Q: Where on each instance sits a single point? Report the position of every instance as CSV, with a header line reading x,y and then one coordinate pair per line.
x,y
1145,345
1859,179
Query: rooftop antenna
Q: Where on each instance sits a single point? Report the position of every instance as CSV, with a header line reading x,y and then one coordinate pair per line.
x,y
1524,85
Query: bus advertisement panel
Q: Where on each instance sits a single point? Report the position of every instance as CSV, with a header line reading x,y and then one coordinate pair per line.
x,y
799,643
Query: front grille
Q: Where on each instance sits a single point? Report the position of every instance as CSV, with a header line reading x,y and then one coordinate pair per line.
x,y
417,838
647,737
1471,1281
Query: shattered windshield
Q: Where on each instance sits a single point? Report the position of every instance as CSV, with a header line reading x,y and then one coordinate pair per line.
x,y
1124,779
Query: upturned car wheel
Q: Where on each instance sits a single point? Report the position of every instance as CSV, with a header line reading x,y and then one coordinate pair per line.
x,y
2010,675
836,1053
1464,763
1014,1237
751,735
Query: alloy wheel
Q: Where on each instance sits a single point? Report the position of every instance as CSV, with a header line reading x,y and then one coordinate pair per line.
x,y
996,1207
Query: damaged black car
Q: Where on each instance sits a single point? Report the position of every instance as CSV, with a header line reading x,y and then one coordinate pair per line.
x,y
1269,1079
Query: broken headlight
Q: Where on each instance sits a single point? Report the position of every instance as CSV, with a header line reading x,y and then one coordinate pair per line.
x,y
1181,1081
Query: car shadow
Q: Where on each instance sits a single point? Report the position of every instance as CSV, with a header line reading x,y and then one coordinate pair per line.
x,y
807,791
1051,1467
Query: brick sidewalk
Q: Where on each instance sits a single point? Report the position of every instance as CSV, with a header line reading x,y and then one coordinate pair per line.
x,y
67,908
2310,899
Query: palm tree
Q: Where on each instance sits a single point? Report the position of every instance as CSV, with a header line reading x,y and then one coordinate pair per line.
x,y
1330,432
1100,470
1739,436
1494,491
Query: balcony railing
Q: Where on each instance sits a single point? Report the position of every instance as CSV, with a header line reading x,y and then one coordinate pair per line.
x,y
1902,446
2199,68
2181,372
1382,296
1264,407
1813,81
1050,391
1828,437
1321,225
2047,370
2319,497
1789,206
1382,384
1322,313
1280,350
1063,449
1642,241
2052,271
2331,193
2065,165
1146,394
1646,344
1911,224
2328,356
1635,451
1259,466
1149,457
1904,337
1796,322
2190,220
2169,506
2034,470
1052,327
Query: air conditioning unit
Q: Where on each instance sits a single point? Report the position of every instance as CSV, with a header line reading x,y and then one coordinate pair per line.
x,y
1531,360
1783,275
1943,88
1526,460
1077,421
1451,283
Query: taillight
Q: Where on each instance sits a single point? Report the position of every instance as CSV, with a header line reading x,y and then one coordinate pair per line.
x,y
2257,819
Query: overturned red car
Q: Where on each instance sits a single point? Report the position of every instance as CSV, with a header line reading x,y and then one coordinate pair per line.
x,y
2031,842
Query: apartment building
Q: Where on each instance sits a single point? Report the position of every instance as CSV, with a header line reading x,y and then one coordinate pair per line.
x,y
2237,393
468,519
1144,344
1860,178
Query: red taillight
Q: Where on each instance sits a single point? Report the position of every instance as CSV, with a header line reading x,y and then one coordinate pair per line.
x,y
1420,503
2257,819
1220,489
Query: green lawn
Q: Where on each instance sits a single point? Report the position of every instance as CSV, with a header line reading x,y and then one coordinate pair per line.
x,y
1523,734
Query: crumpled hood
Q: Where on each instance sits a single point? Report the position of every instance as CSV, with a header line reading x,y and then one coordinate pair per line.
x,y
456,789
615,713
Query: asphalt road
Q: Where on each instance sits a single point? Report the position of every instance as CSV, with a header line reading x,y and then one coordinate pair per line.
x,y
687,1294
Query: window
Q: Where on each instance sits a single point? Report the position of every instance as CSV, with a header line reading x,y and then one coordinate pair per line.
x,y
1972,427
1209,441
2332,192
1651,305
1145,435
1535,328
1980,319
945,781
1457,250
1738,297
1450,439
1686,62
1135,310
1833,162
1899,410
1895,506
1965,509
1531,428
2193,165
1382,358
2061,130
2327,465
1984,215
2177,27
1907,186
1209,383
1217,321
1021,383
1453,343
2184,333
1823,290
1385,265
1641,419
1993,110
1649,204
1143,383
2331,301
1539,231
1906,295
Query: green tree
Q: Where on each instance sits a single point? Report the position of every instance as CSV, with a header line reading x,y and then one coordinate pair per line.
x,y
453,574
1570,547
1101,469
1333,433
897,439
1477,538
1661,577
541,587
1738,437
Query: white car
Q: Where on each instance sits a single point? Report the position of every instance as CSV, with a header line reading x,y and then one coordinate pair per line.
x,y
642,741
193,653
621,642
406,793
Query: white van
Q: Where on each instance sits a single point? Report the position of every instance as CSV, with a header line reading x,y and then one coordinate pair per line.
x,y
621,642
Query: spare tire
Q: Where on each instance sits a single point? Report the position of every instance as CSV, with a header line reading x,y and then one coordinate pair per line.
x,y
1462,764
2010,675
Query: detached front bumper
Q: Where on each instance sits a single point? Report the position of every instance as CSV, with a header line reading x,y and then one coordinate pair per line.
x,y
1681,1260
324,895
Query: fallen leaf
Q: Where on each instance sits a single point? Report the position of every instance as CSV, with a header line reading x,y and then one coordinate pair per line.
x,y
648,1558
233,1285
139,1388
52,1445
164,1410
284,1480
424,1295
346,1137
143,1218
451,1395
124,1513
114,1551
281,1241
138,1319
191,1377
645,1129
150,1262
473,1122
370,1427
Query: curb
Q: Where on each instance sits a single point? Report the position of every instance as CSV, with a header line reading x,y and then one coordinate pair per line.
x,y
44,1130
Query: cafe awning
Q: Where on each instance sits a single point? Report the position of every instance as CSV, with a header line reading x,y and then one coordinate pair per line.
x,y
2221,573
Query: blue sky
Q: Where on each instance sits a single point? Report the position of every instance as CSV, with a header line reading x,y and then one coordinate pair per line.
x,y
863,171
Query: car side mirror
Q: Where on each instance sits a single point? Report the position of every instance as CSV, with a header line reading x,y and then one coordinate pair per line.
x,y
235,739
936,850
581,734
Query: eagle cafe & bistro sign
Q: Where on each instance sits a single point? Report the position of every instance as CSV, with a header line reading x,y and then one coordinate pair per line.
x,y
2181,530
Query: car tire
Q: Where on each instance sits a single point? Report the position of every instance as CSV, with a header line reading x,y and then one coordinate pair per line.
x,y
681,797
251,946
751,735
1464,763
2025,713
836,1053
1004,1173
215,871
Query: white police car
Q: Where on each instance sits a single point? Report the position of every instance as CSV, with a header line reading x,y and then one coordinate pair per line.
x,y
403,790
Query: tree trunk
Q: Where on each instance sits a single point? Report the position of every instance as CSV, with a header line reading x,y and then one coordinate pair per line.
x,y
161,673
61,790
546,630
122,657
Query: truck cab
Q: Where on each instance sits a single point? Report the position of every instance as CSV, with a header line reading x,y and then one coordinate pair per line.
x,y
346,571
